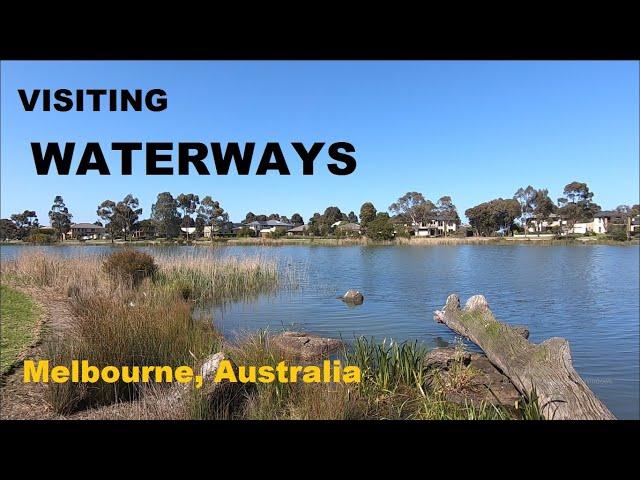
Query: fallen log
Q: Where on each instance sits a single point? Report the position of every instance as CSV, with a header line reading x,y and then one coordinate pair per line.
x,y
545,368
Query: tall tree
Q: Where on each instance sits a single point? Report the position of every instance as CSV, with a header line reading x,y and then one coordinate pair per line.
x,y
447,210
494,215
526,197
127,213
543,206
250,217
8,230
188,203
106,211
273,216
60,217
297,219
165,213
414,208
25,222
352,217
577,204
212,214
367,213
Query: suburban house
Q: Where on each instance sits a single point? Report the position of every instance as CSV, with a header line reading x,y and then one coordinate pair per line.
x,y
223,230
435,226
263,227
299,230
349,228
86,231
601,223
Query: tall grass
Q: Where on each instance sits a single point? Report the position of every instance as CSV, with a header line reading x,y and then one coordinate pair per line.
x,y
153,329
214,279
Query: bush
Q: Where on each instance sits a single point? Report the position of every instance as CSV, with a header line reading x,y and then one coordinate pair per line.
x,y
130,266
618,233
42,238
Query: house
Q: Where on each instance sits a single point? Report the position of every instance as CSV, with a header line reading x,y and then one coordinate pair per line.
x,y
261,227
602,220
349,228
86,231
226,229
538,224
299,230
434,226
272,226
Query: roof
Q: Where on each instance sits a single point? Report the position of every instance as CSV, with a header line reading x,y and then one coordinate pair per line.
x,y
349,226
268,223
301,228
86,226
606,213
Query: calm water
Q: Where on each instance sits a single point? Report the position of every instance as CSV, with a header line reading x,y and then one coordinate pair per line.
x,y
586,294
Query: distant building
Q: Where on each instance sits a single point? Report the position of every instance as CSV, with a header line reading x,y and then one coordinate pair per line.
x,y
299,230
263,227
349,228
436,226
86,231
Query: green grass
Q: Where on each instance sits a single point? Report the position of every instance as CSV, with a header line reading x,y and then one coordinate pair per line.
x,y
18,315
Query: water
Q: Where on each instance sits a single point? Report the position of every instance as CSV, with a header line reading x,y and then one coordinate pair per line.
x,y
586,294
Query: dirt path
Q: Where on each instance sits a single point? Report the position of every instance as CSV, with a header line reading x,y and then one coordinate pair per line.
x,y
19,400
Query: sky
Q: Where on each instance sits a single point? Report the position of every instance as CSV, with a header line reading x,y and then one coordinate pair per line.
x,y
471,130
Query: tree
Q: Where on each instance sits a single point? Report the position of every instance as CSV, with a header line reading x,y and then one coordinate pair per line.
x,y
447,210
352,217
331,215
105,211
316,224
165,214
148,227
60,217
261,218
367,213
577,204
381,227
250,217
526,198
212,214
296,219
273,216
188,203
127,213
414,208
489,217
8,230
25,222
544,206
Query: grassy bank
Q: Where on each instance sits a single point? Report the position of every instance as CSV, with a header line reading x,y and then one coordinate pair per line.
x,y
125,319
18,321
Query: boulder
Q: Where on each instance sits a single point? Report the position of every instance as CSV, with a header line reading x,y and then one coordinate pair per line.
x,y
306,346
521,330
353,296
469,378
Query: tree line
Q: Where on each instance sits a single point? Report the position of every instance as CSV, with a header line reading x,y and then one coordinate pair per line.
x,y
169,214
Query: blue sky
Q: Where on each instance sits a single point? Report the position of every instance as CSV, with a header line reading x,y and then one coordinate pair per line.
x,y
471,130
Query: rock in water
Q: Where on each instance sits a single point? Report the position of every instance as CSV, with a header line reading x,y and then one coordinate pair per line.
x,y
353,296
306,346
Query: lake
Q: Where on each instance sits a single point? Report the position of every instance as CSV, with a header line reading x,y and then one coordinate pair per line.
x,y
586,294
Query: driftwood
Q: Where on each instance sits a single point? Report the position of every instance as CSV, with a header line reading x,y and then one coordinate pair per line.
x,y
546,367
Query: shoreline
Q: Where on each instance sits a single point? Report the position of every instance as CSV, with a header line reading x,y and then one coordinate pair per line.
x,y
343,242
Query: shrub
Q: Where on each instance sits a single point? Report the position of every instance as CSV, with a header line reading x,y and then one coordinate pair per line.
x,y
618,233
130,266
